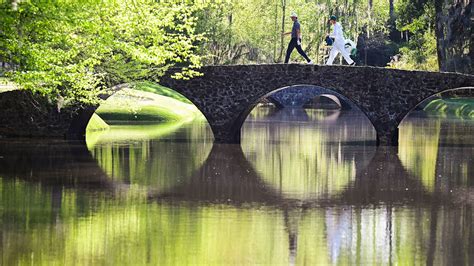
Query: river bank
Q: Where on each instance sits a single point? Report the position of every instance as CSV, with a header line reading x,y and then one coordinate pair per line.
x,y
459,107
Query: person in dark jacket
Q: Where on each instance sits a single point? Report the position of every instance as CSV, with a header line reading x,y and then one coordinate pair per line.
x,y
295,40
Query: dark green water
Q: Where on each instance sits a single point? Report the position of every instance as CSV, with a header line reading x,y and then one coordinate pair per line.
x,y
305,187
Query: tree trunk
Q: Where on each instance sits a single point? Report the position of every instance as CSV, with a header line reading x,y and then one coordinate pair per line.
x,y
369,13
392,11
454,35
276,36
283,15
231,45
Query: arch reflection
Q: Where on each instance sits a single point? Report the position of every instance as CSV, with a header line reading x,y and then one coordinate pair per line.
x,y
158,156
307,153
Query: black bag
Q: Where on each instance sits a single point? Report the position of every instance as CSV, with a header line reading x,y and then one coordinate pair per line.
x,y
329,40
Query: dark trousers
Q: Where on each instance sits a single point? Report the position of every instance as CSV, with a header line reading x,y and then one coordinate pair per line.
x,y
292,45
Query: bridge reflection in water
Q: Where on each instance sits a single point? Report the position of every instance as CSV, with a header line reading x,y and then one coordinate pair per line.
x,y
294,192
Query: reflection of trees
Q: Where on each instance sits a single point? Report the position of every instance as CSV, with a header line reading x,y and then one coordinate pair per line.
x,y
418,148
152,155
132,231
263,112
51,163
438,151
384,236
304,158
137,233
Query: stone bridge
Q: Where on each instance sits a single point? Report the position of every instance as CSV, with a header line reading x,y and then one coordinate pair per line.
x,y
227,94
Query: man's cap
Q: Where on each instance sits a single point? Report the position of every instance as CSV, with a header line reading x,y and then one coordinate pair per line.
x,y
333,18
293,14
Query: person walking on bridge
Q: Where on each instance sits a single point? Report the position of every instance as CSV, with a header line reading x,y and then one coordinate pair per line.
x,y
295,40
338,45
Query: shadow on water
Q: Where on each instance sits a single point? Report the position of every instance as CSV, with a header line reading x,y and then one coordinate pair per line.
x,y
228,177
52,163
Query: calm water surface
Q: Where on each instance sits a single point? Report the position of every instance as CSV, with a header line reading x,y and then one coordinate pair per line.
x,y
305,187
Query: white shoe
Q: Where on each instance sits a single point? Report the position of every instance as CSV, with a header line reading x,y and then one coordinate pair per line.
x,y
311,62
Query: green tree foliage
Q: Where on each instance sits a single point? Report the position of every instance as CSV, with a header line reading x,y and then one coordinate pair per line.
x,y
416,19
248,31
74,49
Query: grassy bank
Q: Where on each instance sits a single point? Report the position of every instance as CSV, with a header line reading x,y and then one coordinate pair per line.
x,y
96,124
127,133
145,103
160,90
459,107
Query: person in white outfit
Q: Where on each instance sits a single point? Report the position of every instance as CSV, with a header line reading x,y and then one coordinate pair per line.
x,y
338,45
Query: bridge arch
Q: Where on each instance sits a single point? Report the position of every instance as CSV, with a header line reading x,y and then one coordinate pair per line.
x,y
405,112
77,128
455,92
330,93
301,95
